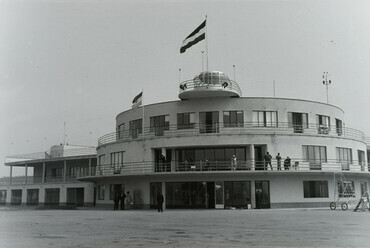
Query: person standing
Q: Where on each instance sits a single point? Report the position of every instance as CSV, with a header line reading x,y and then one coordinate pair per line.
x,y
122,198
160,201
128,200
278,161
116,201
268,158
234,163
287,163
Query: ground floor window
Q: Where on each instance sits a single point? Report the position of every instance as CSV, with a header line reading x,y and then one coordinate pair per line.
x,y
155,189
32,196
101,192
2,196
237,194
114,189
75,196
52,196
16,197
315,189
187,195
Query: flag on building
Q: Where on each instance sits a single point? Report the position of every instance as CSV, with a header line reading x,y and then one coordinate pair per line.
x,y
138,100
197,35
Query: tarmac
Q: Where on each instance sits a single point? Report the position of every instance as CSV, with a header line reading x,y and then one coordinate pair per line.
x,y
26,228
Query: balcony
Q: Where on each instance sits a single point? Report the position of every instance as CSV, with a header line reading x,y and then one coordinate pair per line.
x,y
196,129
152,168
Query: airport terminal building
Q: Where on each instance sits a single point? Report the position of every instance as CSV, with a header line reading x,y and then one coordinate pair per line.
x,y
210,150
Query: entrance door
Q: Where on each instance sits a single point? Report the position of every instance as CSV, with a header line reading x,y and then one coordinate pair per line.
x,y
259,153
262,194
210,201
219,195
208,122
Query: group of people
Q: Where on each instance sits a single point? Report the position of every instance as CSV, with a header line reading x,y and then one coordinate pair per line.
x,y
120,199
268,157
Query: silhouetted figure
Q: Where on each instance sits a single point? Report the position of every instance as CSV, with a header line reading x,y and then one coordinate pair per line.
x,y
268,158
122,198
287,163
278,161
160,201
128,200
116,201
234,163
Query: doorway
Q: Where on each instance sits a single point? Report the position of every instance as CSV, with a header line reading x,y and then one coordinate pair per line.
x,y
262,194
210,201
75,196
208,122
259,153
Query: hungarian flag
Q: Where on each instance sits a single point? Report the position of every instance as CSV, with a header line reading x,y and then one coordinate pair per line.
x,y
138,100
197,35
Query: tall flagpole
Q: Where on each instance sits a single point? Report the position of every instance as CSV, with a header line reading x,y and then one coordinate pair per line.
x,y
206,44
143,123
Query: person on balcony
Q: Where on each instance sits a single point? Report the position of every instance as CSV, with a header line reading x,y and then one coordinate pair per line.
x,y
287,163
234,163
278,161
268,158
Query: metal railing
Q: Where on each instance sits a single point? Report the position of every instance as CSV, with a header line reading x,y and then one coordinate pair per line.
x,y
151,167
226,85
281,128
38,180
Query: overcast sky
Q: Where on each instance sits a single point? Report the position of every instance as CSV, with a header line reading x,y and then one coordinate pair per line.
x,y
82,62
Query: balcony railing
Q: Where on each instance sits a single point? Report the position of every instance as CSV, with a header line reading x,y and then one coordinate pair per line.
x,y
227,85
150,167
191,129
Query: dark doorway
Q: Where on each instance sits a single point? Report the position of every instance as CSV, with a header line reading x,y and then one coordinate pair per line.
x,y
75,196
155,189
210,195
262,194
208,122
259,153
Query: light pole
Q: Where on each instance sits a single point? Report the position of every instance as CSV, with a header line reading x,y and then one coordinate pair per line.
x,y
326,82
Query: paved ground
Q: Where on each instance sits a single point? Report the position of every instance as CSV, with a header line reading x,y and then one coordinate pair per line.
x,y
22,228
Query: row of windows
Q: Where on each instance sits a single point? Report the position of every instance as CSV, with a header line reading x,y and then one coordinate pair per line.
x,y
298,121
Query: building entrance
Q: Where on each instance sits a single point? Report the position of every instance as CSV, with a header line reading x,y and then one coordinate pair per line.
x,y
262,194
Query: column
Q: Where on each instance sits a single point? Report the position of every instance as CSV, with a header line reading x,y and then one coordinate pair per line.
x,y
89,172
43,172
11,175
26,168
64,171
251,152
173,161
164,194
253,193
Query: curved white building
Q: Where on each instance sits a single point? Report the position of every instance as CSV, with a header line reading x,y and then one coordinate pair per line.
x,y
185,150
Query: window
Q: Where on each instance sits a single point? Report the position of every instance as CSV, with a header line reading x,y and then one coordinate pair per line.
x,y
2,196
101,162
158,124
113,189
344,156
185,120
315,189
120,131
233,119
298,121
339,126
57,172
346,188
32,196
315,155
136,128
52,196
323,124
116,160
101,192
265,119
16,196
361,159
73,170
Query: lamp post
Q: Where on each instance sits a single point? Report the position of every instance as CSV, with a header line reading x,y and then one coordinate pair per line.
x,y
326,82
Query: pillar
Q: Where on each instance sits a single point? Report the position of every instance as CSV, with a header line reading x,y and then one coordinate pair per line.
x,y
164,194
26,170
64,170
43,172
89,172
11,175
252,158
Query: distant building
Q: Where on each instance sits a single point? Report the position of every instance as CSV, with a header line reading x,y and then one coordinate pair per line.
x,y
54,180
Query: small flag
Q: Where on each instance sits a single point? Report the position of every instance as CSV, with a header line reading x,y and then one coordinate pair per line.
x,y
138,100
197,35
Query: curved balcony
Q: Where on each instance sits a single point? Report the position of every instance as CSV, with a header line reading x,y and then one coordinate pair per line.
x,y
295,165
196,129
209,84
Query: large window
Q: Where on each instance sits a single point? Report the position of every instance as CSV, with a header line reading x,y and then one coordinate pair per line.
x,y
265,119
298,121
57,172
116,160
233,119
323,124
361,159
32,196
52,196
339,126
158,124
315,189
185,120
315,155
16,196
136,128
155,189
101,192
114,189
237,194
344,157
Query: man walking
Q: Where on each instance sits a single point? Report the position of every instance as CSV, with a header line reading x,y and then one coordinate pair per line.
x,y
160,201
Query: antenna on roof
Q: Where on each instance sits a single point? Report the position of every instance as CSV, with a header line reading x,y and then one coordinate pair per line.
x,y
64,134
